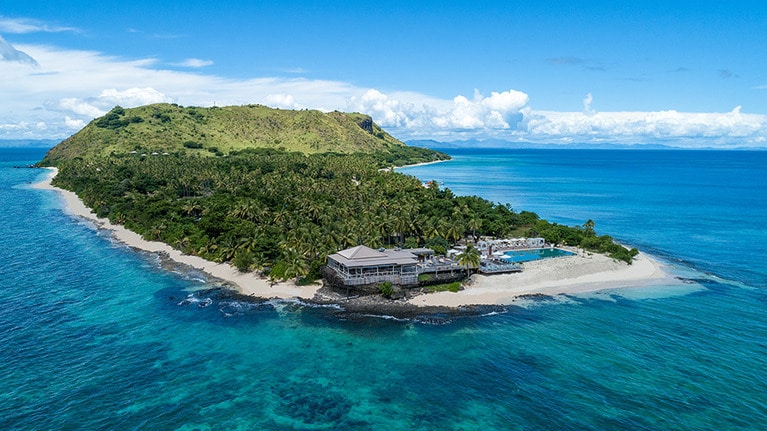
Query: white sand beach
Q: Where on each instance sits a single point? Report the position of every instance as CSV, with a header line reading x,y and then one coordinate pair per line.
x,y
415,165
577,274
411,166
247,283
581,273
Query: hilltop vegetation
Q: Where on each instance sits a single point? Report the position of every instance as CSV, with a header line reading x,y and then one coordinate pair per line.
x,y
217,131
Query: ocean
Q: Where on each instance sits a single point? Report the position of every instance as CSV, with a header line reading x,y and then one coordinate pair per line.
x,y
97,336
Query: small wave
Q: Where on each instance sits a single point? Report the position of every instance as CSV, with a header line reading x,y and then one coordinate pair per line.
x,y
239,308
386,317
197,278
193,299
282,304
493,313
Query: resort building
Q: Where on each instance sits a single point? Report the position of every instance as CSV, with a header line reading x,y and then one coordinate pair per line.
x,y
510,243
362,265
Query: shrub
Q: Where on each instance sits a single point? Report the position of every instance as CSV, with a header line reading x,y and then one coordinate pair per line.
x,y
411,242
278,271
448,287
386,289
438,244
243,260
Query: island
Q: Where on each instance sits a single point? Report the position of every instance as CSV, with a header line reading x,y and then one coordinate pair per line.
x,y
305,204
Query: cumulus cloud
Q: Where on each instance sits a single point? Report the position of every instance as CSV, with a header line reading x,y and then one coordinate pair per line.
x,y
283,101
71,87
386,111
496,111
194,63
97,106
506,116
641,127
73,124
133,96
79,107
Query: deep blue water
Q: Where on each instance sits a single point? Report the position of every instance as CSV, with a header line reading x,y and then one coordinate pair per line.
x,y
96,336
707,208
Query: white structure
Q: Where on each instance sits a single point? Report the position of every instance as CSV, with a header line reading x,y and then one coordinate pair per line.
x,y
511,243
362,265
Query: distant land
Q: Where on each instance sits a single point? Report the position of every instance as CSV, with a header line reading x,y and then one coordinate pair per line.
x,y
29,143
511,145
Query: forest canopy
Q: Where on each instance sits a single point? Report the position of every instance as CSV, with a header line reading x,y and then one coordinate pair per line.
x,y
283,212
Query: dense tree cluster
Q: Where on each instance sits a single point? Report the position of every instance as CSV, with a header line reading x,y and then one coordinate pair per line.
x,y
283,213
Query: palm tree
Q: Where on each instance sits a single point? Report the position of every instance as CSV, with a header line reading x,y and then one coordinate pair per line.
x,y
589,227
470,258
296,264
453,229
474,223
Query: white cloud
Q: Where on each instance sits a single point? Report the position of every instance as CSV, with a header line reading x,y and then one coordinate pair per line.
x,y
71,87
26,25
79,107
283,101
10,54
729,128
587,103
133,96
496,111
194,63
97,106
386,111
73,124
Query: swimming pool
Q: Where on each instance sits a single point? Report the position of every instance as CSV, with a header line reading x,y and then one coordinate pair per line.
x,y
534,254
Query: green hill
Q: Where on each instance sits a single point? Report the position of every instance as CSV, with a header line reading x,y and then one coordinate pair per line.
x,y
174,129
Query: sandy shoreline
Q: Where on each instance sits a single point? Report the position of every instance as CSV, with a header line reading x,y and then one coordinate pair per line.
x,y
421,164
396,168
246,283
572,275
566,275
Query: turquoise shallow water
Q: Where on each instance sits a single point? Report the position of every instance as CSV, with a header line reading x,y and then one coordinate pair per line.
x,y
96,336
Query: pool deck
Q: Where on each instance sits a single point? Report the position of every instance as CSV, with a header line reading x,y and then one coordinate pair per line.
x,y
497,264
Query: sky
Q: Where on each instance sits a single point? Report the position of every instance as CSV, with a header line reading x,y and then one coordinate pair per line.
x,y
686,73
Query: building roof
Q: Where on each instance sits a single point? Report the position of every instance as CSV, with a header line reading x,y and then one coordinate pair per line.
x,y
417,251
365,256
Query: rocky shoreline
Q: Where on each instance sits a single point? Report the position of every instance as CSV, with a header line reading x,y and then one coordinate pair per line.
x,y
347,307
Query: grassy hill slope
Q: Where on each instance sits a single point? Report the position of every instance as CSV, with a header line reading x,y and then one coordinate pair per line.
x,y
174,129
